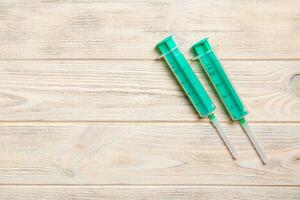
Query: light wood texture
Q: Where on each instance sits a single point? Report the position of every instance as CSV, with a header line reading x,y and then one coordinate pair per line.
x,y
87,111
153,192
138,91
152,153
130,29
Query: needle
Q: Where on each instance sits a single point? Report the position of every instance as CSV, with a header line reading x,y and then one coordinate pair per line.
x,y
255,144
224,137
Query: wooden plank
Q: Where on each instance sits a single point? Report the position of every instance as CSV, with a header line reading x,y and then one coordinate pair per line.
x,y
130,29
146,153
138,91
153,192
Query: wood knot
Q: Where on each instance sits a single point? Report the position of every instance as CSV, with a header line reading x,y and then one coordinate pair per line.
x,y
294,84
296,159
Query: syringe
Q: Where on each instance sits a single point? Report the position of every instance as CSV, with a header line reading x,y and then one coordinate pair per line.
x,y
225,89
191,85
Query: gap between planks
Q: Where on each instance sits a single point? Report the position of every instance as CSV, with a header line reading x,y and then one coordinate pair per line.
x,y
136,122
145,185
142,59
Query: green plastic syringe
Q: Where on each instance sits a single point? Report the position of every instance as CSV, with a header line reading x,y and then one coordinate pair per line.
x,y
191,85
225,89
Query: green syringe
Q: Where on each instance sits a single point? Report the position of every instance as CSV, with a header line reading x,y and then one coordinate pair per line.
x,y
225,89
191,85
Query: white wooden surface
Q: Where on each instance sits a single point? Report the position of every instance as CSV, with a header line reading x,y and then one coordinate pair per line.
x,y
125,90
89,112
148,192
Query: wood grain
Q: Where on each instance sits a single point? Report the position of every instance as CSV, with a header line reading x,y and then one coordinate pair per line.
x,y
138,91
89,112
129,29
153,192
151,153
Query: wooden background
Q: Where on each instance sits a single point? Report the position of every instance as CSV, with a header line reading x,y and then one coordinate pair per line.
x,y
89,112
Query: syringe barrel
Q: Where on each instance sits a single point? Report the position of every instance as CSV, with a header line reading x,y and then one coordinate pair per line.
x,y
186,77
219,79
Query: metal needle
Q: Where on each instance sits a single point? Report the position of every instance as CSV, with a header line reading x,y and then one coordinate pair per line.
x,y
255,144
223,136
